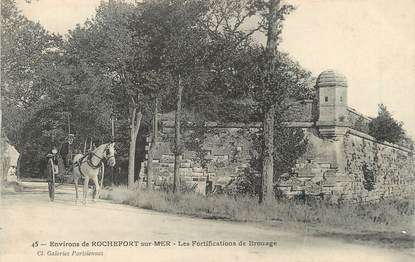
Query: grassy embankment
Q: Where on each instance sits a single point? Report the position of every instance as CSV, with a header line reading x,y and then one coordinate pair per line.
x,y
389,223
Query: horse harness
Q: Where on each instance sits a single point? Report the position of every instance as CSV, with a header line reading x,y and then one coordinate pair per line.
x,y
88,157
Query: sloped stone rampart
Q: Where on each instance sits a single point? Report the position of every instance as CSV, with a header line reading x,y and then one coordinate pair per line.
x,y
355,168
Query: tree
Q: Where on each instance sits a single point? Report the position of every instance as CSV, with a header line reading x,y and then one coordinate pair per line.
x,y
135,121
153,141
279,78
101,52
87,75
385,128
272,78
29,68
160,51
174,47
205,45
177,138
269,116
27,54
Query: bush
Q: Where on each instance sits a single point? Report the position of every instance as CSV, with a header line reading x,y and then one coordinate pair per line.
x,y
247,183
385,128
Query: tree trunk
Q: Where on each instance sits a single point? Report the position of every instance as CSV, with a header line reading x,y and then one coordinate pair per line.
x,y
268,158
155,121
131,160
153,142
112,140
134,127
1,149
177,149
267,193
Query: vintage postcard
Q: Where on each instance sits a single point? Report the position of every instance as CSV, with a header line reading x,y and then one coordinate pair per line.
x,y
207,130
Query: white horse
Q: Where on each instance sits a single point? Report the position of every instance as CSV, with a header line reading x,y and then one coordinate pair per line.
x,y
88,166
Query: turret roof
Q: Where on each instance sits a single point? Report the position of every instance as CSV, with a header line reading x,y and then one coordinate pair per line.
x,y
331,78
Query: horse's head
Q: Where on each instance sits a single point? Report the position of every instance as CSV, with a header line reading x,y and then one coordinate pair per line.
x,y
109,154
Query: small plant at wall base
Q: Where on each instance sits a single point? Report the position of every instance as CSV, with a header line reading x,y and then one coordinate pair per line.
x,y
248,183
369,178
289,145
195,142
385,128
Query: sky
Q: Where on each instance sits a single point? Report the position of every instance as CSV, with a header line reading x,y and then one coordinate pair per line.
x,y
371,42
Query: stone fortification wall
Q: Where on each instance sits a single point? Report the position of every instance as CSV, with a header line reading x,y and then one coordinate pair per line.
x,y
341,163
224,153
352,168
301,111
358,121
378,170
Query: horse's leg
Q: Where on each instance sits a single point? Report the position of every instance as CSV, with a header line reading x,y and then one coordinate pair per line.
x,y
97,189
86,182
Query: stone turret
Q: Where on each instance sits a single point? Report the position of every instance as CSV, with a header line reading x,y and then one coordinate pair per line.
x,y
332,104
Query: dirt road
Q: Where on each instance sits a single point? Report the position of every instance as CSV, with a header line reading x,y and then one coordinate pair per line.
x,y
35,229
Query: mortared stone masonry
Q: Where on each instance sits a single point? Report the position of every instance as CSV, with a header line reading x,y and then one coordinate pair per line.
x,y
341,163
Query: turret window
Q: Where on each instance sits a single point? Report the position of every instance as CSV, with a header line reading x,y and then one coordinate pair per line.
x,y
341,99
326,99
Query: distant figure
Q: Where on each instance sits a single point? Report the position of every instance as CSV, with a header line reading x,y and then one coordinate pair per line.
x,y
10,157
64,152
57,161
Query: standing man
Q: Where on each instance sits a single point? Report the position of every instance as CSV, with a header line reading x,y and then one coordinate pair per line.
x,y
66,150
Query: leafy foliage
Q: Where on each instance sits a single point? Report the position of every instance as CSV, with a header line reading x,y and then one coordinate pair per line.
x,y
385,128
194,142
30,72
28,55
247,183
361,125
290,144
136,49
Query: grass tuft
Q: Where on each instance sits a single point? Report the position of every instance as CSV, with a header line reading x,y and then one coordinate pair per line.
x,y
388,216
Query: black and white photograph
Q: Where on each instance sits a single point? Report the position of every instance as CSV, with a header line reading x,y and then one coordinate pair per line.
x,y
207,130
